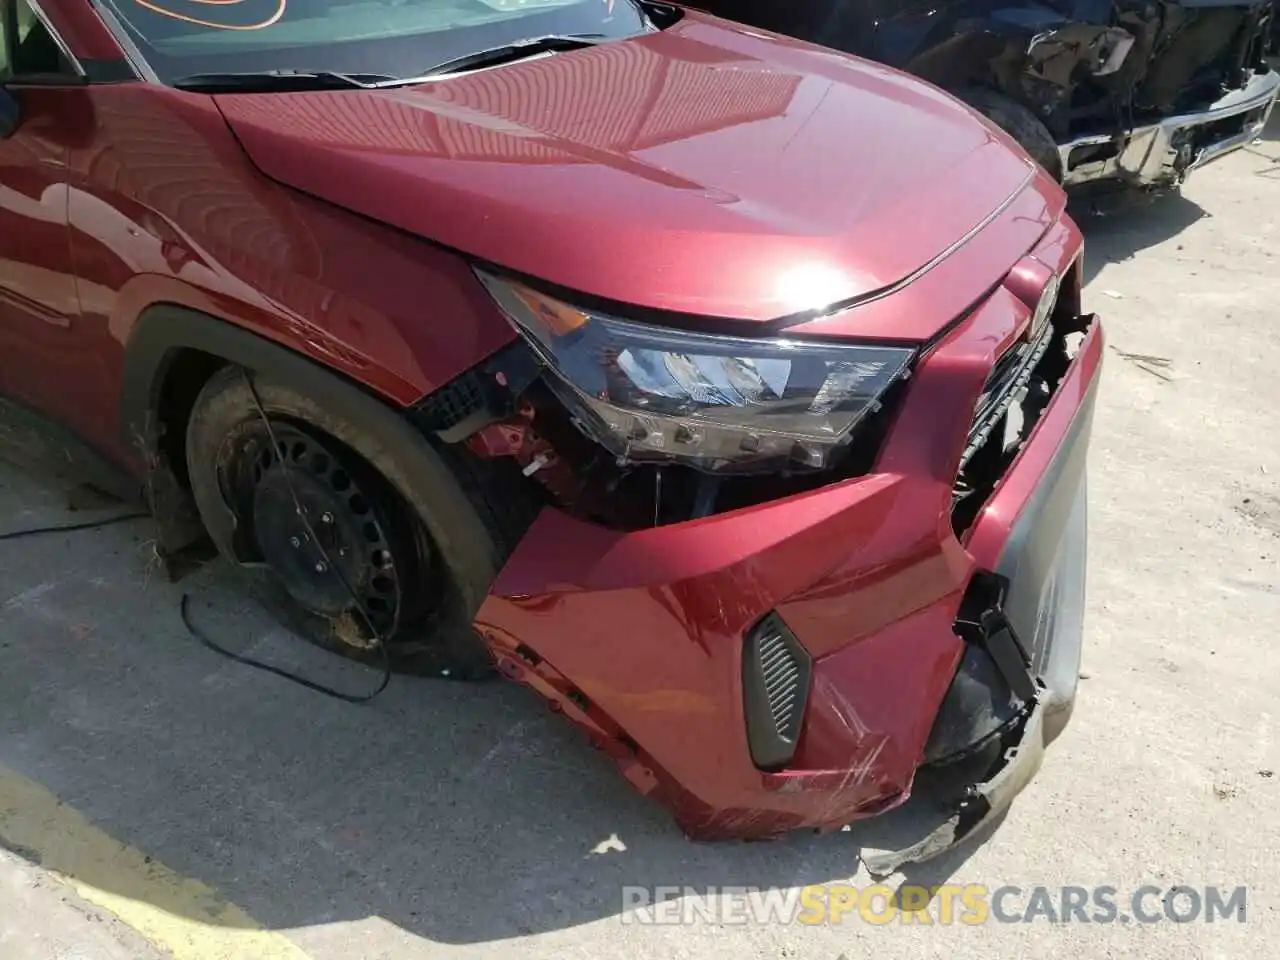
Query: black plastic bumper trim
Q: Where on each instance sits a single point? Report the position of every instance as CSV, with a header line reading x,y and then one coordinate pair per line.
x,y
776,676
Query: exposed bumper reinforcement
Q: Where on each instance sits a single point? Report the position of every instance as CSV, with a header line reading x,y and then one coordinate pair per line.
x,y
1166,153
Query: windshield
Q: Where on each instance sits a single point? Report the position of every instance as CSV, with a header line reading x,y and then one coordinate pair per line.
x,y
398,38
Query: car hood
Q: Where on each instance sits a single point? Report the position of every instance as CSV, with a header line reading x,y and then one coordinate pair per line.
x,y
705,170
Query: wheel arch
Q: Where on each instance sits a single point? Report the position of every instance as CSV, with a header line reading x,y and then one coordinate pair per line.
x,y
170,338
177,342
172,352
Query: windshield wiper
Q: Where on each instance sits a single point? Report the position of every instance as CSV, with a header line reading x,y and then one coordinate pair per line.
x,y
510,52
280,81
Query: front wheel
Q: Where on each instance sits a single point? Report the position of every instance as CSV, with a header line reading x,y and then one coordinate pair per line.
x,y
356,535
1020,123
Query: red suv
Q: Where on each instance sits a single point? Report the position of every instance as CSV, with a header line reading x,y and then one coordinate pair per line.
x,y
731,393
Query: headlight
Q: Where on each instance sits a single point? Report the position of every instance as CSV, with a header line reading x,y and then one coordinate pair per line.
x,y
715,403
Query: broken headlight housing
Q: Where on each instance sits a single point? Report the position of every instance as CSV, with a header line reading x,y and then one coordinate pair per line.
x,y
717,403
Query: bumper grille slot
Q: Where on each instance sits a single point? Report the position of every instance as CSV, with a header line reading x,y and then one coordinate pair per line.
x,y
1011,375
776,674
452,403
781,674
1016,393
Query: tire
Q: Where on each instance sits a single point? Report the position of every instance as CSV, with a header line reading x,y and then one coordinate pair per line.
x,y
1020,123
417,502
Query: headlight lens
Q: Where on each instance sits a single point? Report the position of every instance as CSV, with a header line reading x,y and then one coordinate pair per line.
x,y
716,403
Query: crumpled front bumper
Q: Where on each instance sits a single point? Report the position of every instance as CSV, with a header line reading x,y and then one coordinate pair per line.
x,y
1041,559
638,637
1166,153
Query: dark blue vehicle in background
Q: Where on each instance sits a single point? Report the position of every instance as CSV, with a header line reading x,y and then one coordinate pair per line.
x,y
1116,92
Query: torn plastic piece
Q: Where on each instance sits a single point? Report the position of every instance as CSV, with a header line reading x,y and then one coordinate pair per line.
x,y
986,802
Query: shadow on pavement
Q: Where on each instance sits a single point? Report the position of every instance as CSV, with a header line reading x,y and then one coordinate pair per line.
x,y
459,813
1117,226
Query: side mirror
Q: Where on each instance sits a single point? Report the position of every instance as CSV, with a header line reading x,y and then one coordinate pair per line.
x,y
10,113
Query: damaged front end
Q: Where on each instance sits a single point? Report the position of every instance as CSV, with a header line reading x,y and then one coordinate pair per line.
x,y
1197,86
774,622
636,426
1134,92
1139,92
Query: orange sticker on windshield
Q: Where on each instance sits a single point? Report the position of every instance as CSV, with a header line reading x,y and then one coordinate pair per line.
x,y
166,11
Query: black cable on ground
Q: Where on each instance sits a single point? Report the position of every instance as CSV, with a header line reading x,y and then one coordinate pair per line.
x,y
379,642
69,527
280,671
199,634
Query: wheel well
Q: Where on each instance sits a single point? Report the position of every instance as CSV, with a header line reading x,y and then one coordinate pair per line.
x,y
172,354
185,375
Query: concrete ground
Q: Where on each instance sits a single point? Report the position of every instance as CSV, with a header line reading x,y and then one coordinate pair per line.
x,y
158,800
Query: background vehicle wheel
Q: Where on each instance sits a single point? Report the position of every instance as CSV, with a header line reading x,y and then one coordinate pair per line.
x,y
1019,122
382,512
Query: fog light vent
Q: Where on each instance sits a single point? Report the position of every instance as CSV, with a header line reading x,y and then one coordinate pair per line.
x,y
776,672
781,675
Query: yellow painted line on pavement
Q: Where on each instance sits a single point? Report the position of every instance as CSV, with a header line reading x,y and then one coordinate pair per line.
x,y
183,916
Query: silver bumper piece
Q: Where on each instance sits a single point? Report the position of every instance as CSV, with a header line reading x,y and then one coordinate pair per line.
x,y
1165,153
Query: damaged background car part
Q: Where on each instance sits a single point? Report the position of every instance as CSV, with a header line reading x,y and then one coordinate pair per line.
x,y
753,460
1129,92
